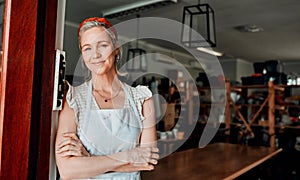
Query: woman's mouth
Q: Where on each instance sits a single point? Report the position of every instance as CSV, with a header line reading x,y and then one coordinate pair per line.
x,y
98,62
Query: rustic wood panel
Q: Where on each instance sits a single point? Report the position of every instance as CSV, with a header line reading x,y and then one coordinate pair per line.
x,y
17,84
46,29
26,94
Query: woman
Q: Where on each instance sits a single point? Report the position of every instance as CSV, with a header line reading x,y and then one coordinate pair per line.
x,y
106,128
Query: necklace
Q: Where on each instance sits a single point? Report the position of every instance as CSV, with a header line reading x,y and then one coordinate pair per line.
x,y
107,99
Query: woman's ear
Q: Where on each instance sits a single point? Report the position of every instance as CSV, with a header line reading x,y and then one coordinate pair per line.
x,y
117,58
117,51
117,55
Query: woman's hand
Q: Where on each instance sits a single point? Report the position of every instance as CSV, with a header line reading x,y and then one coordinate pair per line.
x,y
140,159
133,168
143,156
71,146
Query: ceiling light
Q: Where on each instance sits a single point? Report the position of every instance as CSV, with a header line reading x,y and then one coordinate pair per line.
x,y
251,28
198,19
209,51
136,57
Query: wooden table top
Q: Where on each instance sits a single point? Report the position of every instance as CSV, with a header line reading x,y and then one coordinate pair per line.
x,y
215,161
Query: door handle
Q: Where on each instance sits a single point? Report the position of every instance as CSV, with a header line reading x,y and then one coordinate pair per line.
x,y
59,80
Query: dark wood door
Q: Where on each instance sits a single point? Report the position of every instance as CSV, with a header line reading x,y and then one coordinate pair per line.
x,y
26,88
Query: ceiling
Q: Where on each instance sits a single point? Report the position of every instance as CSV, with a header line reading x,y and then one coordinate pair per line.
x,y
280,20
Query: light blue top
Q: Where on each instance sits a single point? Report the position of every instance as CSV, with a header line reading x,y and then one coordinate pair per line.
x,y
108,131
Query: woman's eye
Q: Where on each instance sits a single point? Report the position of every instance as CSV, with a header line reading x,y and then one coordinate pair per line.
x,y
104,45
86,49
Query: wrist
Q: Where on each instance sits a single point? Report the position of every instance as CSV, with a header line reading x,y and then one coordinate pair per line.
x,y
122,158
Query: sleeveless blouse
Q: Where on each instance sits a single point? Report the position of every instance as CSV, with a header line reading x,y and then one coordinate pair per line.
x,y
108,131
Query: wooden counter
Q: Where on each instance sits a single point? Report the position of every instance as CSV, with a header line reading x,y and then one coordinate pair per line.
x,y
215,161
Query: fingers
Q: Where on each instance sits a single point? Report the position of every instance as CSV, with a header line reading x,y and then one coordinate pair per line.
x,y
143,156
154,149
154,156
68,148
71,135
68,151
145,166
67,142
148,167
153,161
71,146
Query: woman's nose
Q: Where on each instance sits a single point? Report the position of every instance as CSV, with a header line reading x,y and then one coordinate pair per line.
x,y
96,53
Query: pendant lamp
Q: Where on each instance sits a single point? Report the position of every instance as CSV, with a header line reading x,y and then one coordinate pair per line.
x,y
198,19
136,57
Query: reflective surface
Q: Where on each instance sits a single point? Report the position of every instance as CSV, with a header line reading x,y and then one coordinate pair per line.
x,y
215,161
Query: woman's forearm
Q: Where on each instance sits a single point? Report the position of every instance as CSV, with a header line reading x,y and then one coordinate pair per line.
x,y
137,159
85,167
134,168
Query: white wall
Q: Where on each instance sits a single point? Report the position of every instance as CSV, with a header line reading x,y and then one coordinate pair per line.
x,y
229,68
234,69
243,68
292,67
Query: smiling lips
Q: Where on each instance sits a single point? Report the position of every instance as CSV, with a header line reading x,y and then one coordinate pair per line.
x,y
98,62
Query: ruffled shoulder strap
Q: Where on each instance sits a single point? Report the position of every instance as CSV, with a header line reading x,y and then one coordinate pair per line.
x,y
70,97
140,94
76,98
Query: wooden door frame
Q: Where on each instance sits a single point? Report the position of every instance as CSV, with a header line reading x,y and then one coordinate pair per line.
x,y
26,88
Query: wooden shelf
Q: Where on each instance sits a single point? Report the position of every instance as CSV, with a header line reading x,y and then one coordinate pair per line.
x,y
269,104
263,86
281,127
210,104
287,127
250,105
250,87
277,107
287,86
209,87
281,107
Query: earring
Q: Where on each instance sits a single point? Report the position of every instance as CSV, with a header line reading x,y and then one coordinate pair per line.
x,y
117,58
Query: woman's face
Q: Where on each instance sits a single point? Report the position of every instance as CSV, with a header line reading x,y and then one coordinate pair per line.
x,y
97,50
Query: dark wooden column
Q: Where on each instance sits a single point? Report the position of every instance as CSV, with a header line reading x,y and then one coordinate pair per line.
x,y
26,88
